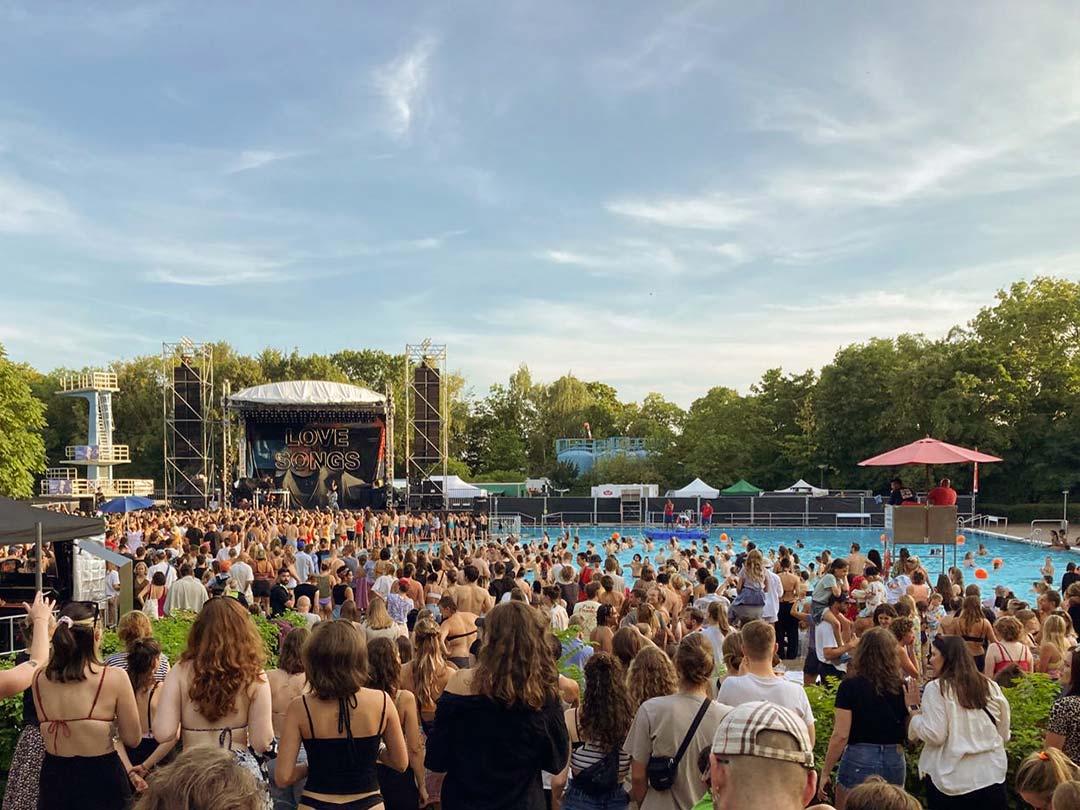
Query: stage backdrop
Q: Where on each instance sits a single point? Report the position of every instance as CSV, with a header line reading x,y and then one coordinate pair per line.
x,y
307,459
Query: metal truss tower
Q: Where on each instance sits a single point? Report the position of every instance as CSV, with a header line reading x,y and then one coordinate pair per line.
x,y
187,371
426,425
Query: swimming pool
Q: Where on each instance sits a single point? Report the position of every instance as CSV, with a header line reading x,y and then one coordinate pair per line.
x,y
1021,560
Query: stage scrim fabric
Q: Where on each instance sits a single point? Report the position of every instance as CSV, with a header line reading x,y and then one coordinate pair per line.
x,y
306,459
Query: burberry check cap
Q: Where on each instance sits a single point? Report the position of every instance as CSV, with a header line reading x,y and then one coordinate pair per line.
x,y
738,732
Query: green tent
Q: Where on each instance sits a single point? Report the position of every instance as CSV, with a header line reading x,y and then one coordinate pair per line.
x,y
742,487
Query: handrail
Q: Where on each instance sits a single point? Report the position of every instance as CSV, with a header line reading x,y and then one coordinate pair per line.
x,y
1062,525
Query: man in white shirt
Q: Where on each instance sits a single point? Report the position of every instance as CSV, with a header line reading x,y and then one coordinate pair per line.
x,y
587,608
760,681
712,586
161,563
304,565
244,575
187,594
832,651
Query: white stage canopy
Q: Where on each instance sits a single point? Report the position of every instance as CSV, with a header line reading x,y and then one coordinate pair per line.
x,y
305,392
457,488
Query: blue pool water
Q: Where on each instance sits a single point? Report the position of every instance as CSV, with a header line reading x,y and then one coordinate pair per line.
x,y
1022,560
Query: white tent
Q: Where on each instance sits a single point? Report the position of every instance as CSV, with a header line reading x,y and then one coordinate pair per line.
x,y
800,487
456,488
695,489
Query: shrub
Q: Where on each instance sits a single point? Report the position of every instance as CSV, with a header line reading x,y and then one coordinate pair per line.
x,y
1030,702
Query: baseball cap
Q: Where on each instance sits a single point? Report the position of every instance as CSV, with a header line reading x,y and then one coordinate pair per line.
x,y
738,732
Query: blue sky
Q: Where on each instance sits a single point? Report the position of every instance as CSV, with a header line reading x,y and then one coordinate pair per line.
x,y
664,196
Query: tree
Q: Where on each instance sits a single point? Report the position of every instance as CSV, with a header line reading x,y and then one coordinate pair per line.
x,y
22,417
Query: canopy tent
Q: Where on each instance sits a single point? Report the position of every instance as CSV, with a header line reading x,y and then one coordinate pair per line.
x,y
18,524
801,487
454,487
742,487
305,393
695,489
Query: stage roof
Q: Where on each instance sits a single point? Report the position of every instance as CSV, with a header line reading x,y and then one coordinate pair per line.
x,y
305,394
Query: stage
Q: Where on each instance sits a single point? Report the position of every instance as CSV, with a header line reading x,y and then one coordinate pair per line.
x,y
317,444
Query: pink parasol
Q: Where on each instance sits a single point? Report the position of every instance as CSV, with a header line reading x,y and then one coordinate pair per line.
x,y
928,451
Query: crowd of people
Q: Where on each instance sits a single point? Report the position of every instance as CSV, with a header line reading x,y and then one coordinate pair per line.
x,y
431,666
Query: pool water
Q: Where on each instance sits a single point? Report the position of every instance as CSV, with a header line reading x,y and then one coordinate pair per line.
x,y
1022,561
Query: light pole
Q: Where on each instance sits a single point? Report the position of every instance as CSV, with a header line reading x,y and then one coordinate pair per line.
x,y
821,479
1065,508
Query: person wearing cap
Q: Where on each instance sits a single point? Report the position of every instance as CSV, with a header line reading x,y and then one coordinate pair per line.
x,y
762,757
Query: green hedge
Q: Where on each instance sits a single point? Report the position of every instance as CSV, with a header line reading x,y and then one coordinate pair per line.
x,y
1030,701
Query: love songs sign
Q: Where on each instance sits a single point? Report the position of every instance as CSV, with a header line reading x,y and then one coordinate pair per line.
x,y
313,448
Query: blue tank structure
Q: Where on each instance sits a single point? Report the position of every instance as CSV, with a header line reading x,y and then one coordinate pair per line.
x,y
584,453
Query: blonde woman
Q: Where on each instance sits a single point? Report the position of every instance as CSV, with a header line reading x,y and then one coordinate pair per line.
x,y
752,587
378,623
1053,647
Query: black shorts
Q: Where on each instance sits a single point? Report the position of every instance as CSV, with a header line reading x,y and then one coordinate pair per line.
x,y
260,588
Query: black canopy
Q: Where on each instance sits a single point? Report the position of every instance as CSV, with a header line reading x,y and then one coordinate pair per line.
x,y
18,523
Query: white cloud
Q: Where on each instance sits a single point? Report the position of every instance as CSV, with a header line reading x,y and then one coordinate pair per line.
x,y
27,208
709,212
578,259
402,83
255,159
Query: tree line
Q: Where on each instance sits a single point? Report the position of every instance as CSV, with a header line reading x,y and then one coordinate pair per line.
x,y
1007,382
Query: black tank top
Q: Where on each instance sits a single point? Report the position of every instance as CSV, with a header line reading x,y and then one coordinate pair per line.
x,y
342,765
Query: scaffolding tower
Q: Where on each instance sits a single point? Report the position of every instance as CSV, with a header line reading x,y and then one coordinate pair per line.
x,y
187,384
426,425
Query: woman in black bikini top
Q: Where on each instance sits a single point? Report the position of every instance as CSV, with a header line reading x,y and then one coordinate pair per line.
x,y
341,726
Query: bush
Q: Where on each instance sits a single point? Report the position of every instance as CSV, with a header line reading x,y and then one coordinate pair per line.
x,y
1030,702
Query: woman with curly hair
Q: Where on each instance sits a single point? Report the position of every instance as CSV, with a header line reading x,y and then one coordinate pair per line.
x,y
651,674
871,713
500,723
401,791
598,765
661,724
218,693
345,728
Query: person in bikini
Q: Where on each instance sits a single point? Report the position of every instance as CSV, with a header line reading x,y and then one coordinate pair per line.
x,y
458,631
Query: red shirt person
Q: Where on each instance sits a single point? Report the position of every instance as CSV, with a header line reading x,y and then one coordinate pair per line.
x,y
942,495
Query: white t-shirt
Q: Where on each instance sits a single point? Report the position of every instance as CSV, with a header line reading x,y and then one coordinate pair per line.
x,y
737,689
716,639
587,611
824,637
112,584
771,612
897,587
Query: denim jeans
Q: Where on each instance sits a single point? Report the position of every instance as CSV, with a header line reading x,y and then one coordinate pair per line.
x,y
863,760
576,799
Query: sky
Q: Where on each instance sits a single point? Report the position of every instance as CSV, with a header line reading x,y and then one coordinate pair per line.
x,y
662,196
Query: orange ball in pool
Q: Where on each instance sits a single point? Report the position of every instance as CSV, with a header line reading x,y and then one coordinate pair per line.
x,y
980,573
997,562
723,537
960,540
614,535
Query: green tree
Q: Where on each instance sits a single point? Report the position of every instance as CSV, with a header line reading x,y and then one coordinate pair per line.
x,y
22,417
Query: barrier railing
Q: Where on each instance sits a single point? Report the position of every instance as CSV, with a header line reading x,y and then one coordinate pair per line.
x,y
92,381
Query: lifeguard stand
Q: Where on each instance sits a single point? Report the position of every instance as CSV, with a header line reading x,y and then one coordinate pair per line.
x,y
99,455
